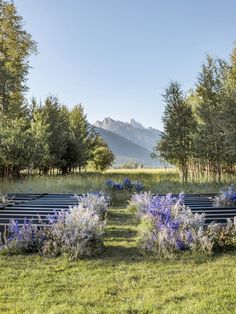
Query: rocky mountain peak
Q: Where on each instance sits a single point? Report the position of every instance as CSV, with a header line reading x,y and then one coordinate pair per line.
x,y
136,124
109,122
133,130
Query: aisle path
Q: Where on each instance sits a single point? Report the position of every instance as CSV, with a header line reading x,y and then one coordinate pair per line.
x,y
121,232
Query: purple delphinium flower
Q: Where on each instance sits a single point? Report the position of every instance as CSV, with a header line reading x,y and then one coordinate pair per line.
x,y
226,197
180,245
126,185
174,225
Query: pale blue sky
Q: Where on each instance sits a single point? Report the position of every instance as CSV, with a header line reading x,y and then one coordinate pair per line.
x,y
117,56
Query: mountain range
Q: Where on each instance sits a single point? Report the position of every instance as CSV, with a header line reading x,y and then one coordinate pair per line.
x,y
129,141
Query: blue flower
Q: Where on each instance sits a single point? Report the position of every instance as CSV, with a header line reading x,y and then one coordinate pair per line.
x,y
138,186
109,183
189,237
180,245
175,224
233,198
127,183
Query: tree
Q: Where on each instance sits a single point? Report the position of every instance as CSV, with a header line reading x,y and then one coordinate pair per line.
x,y
210,143
15,146
39,130
16,45
103,157
54,127
82,136
179,124
229,108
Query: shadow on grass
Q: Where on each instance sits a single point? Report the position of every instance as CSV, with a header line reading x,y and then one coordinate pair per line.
x,y
121,219
132,255
120,233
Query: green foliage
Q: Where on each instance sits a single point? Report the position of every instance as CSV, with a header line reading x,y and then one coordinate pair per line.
x,y
131,165
54,121
119,198
15,151
103,157
82,135
16,45
199,129
211,148
176,144
229,108
37,136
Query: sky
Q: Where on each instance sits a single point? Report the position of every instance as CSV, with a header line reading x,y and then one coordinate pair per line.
x,y
116,57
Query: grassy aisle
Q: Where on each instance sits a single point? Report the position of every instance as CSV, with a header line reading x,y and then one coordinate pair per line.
x,y
120,237
121,280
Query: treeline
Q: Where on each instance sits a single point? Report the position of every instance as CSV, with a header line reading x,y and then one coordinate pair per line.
x,y
200,127
49,137
41,137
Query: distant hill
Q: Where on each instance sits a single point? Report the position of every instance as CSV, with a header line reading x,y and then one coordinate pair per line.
x,y
130,142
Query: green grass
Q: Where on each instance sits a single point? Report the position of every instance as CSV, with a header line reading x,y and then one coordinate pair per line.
x,y
155,180
121,280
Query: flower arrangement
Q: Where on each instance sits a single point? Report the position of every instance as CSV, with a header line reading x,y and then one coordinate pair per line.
x,y
98,202
77,232
23,239
169,226
139,203
222,237
226,197
125,185
120,192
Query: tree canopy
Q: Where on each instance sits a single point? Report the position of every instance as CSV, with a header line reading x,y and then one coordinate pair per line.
x,y
38,136
200,126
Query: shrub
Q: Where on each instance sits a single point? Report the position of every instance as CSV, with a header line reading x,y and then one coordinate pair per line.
x,y
23,239
77,233
139,203
169,226
223,237
226,197
98,202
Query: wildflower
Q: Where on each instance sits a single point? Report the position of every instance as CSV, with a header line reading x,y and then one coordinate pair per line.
x,y
226,197
173,227
126,185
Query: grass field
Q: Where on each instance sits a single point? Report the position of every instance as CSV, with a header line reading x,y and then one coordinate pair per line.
x,y
155,180
121,280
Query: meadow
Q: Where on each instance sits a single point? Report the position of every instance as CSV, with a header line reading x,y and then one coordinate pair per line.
x,y
155,180
120,279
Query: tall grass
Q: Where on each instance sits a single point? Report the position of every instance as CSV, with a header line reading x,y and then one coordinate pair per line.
x,y
155,180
